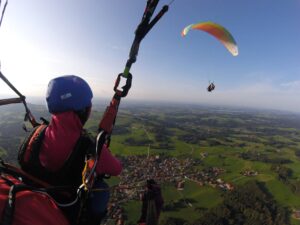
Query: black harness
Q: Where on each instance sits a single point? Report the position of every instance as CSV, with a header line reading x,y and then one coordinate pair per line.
x,y
69,174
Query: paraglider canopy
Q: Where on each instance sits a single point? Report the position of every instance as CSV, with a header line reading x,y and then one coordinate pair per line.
x,y
216,30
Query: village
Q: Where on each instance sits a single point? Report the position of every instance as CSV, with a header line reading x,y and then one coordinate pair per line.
x,y
139,168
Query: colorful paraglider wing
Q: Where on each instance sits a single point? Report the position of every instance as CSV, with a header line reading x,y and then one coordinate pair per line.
x,y
186,30
218,32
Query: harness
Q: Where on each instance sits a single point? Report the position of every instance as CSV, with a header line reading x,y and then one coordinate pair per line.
x,y
16,183
69,173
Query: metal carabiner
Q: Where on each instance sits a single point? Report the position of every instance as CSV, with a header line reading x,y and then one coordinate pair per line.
x,y
125,88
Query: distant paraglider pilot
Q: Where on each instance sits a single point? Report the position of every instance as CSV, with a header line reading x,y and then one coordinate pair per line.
x,y
211,87
152,204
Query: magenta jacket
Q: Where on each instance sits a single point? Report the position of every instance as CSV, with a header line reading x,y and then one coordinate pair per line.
x,y
60,139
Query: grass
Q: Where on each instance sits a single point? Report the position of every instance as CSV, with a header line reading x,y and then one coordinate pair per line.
x,y
204,197
283,194
295,221
132,210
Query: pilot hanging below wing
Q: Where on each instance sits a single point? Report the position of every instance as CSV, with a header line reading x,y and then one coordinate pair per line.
x,y
211,87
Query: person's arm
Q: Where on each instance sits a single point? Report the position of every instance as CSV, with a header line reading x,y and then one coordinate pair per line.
x,y
108,164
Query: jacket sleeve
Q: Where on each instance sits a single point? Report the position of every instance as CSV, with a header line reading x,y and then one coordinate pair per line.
x,y
108,164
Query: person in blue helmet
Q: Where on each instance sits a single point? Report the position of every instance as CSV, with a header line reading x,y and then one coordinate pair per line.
x,y
56,152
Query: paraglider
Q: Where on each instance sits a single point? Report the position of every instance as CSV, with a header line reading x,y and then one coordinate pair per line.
x,y
216,30
211,87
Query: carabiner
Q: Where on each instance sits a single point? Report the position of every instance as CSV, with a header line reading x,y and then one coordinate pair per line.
x,y
125,88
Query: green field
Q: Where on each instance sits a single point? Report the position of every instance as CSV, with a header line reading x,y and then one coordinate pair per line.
x,y
233,140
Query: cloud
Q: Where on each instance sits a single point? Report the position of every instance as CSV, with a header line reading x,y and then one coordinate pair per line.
x,y
293,84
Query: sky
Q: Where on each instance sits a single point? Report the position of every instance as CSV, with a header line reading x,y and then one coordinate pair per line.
x,y
40,40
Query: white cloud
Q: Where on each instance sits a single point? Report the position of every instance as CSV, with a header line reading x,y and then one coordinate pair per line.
x,y
293,84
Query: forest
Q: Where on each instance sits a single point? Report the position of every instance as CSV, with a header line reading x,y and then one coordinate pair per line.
x,y
251,204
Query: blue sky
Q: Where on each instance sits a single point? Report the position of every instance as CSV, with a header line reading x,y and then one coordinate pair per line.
x,y
40,40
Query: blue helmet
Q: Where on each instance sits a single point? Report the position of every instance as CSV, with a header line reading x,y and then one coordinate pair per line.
x,y
68,93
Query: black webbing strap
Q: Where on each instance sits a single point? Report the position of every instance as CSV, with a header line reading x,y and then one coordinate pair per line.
x,y
143,28
10,101
8,213
28,115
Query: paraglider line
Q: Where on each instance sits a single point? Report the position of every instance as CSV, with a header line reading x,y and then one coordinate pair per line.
x,y
3,11
171,2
